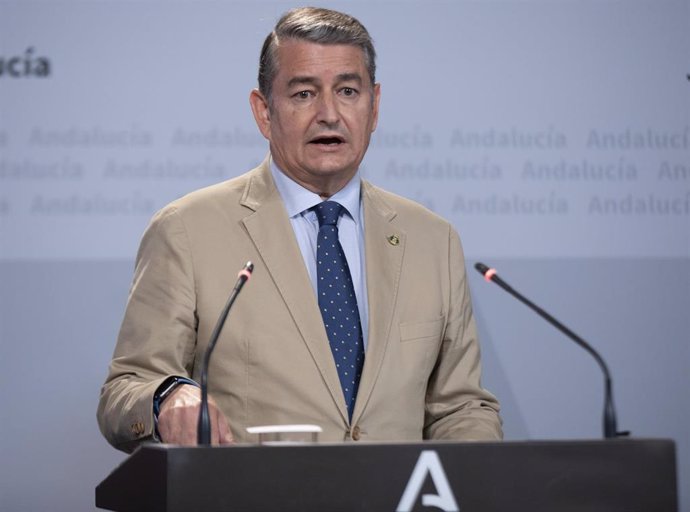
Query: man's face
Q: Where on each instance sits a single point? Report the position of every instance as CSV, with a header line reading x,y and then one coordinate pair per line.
x,y
322,113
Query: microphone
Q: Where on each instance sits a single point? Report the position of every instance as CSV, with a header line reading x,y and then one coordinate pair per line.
x,y
204,425
610,429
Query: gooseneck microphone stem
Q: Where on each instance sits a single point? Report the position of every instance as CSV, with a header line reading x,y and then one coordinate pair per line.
x,y
610,428
204,425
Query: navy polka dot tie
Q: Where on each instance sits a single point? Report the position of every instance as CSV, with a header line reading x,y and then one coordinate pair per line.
x,y
338,302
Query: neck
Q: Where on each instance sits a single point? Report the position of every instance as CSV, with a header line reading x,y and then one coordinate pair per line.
x,y
324,186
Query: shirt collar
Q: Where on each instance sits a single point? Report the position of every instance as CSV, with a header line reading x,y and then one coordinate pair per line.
x,y
297,199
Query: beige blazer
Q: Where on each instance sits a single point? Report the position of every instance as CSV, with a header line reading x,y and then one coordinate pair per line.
x,y
273,363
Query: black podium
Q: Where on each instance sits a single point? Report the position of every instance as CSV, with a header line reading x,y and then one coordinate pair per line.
x,y
624,475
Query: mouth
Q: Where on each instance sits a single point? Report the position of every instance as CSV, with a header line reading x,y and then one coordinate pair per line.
x,y
328,140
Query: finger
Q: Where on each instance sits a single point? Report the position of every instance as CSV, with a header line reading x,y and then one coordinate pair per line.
x,y
216,434
224,432
219,427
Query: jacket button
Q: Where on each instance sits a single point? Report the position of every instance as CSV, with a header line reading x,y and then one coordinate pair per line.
x,y
356,433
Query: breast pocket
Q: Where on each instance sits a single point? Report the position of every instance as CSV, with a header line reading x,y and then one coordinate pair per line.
x,y
420,331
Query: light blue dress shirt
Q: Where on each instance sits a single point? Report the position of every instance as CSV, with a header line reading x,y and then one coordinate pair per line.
x,y
298,201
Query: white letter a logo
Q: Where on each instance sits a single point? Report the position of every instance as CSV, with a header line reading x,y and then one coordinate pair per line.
x,y
428,463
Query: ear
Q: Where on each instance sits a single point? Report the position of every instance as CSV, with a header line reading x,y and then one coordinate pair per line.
x,y
375,106
261,112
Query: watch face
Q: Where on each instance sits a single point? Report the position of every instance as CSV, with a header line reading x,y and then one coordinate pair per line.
x,y
162,392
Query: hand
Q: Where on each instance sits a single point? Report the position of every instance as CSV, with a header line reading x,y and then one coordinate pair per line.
x,y
179,417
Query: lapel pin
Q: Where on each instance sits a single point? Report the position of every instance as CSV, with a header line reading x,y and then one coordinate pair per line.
x,y
394,240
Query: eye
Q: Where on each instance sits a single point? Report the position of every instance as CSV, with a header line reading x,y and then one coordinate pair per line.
x,y
303,95
348,91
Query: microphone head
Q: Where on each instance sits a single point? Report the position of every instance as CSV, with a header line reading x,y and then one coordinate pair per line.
x,y
487,272
246,272
481,268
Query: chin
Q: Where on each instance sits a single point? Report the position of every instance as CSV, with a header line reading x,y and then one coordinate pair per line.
x,y
334,166
334,170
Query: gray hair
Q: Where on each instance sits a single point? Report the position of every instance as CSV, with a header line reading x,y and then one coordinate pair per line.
x,y
317,25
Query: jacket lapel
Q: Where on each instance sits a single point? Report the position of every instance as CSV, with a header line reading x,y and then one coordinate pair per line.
x,y
384,250
271,232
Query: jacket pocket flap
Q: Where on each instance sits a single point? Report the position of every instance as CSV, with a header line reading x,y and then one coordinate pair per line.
x,y
420,330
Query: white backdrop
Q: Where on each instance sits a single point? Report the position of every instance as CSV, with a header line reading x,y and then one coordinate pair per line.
x,y
554,135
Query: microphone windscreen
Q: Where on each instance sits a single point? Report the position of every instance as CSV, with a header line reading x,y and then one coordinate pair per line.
x,y
481,268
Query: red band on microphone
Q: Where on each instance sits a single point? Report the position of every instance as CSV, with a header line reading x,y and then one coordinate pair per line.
x,y
244,272
489,274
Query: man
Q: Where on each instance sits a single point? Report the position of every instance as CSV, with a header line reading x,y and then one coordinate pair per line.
x,y
392,357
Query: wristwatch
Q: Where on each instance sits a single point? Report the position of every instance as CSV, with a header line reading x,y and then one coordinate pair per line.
x,y
164,391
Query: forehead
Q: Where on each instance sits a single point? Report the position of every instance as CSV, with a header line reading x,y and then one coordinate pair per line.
x,y
322,61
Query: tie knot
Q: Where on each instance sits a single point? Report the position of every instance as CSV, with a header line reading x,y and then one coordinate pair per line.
x,y
328,213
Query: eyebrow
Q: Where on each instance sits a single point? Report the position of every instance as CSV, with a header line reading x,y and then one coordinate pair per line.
x,y
343,77
298,80
349,77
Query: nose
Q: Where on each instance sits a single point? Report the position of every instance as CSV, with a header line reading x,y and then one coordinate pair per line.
x,y
328,110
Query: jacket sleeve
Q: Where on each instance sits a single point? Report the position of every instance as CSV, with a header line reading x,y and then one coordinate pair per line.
x,y
157,338
457,407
